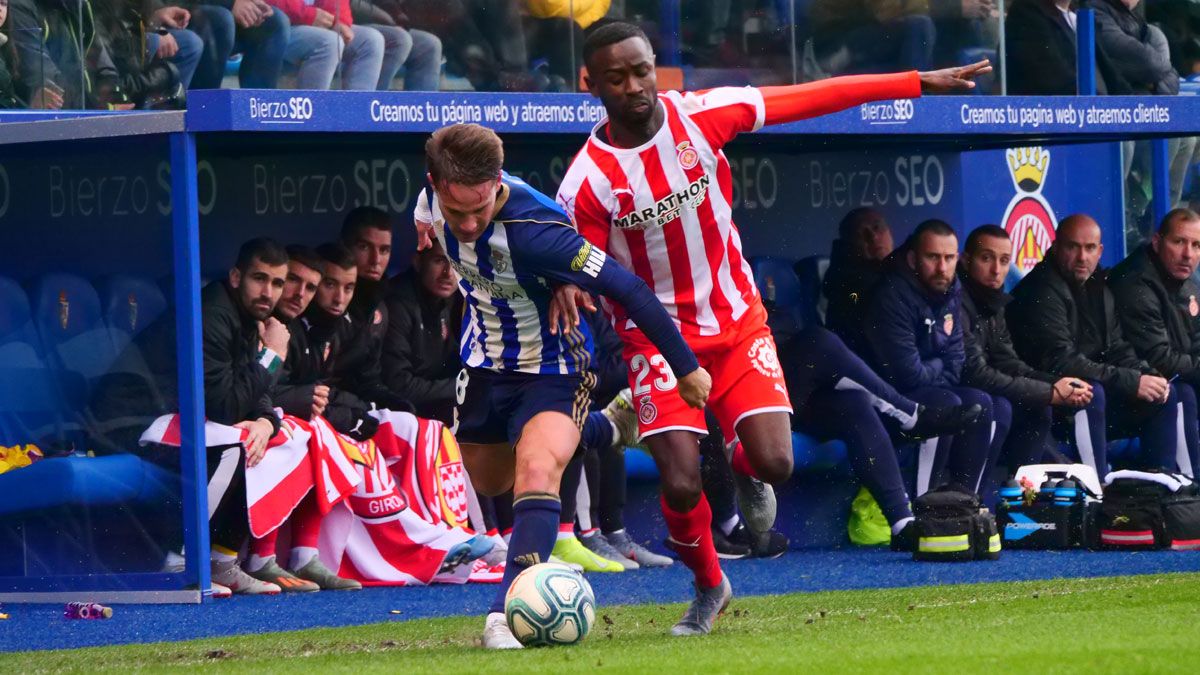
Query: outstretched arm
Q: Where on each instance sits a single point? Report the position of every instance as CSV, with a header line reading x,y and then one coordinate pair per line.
x,y
813,99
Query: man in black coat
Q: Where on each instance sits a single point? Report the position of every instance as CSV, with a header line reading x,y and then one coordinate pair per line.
x,y
1158,302
1067,325
301,393
420,350
244,350
916,344
992,363
367,234
1040,48
856,264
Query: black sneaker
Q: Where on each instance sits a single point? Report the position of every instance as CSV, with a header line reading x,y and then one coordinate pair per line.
x,y
905,541
769,544
729,548
933,420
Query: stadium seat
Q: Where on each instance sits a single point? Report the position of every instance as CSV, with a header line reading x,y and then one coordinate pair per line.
x,y
84,481
19,344
810,272
30,403
780,289
66,311
130,304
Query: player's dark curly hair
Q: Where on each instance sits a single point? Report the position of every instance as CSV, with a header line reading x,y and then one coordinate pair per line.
x,y
465,154
610,34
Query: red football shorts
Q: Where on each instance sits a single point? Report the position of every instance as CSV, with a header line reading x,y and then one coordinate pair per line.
x,y
747,378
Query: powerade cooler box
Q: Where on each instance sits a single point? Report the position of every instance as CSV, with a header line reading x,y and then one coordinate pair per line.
x,y
1048,506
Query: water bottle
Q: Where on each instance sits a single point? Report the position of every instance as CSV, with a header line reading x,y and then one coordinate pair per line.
x,y
87,610
1011,494
1067,493
1047,492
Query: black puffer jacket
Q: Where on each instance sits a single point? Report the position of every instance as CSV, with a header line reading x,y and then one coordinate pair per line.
x,y
1139,51
420,352
846,286
143,383
1041,53
1160,316
48,35
992,362
303,371
1069,330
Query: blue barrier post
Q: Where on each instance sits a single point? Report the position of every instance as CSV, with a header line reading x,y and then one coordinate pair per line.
x,y
185,227
1160,180
670,31
1085,58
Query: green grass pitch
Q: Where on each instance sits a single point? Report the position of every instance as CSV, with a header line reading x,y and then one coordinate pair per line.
x,y
1124,624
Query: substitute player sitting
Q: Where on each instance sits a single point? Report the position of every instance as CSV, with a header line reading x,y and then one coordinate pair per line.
x,y
523,394
653,187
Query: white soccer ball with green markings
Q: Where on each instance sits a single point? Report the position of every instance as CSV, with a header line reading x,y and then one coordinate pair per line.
x,y
550,604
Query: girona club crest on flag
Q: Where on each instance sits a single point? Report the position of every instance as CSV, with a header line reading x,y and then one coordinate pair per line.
x,y
1029,218
452,481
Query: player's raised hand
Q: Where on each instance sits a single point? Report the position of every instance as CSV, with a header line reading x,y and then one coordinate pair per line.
x,y
424,235
960,78
564,308
694,388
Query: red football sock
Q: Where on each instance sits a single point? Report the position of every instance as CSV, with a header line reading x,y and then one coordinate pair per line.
x,y
692,534
740,462
306,523
265,547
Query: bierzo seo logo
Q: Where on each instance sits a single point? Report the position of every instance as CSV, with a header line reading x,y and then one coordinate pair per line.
x,y
900,111
294,110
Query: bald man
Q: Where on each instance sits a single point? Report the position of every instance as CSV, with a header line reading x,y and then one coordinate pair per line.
x,y
1064,323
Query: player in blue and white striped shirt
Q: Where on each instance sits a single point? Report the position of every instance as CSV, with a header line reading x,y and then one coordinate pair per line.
x,y
523,394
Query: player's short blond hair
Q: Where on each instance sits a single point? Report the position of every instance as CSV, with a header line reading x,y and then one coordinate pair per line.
x,y
465,154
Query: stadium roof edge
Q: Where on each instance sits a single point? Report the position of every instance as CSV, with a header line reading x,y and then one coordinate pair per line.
x,y
42,126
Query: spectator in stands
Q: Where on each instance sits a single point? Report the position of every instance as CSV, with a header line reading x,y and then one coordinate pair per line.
x,y
992,363
418,51
420,349
915,338
1179,21
868,36
244,349
324,36
8,62
51,63
1068,325
1158,302
251,28
856,264
299,393
554,31
483,41
1040,49
1140,53
153,68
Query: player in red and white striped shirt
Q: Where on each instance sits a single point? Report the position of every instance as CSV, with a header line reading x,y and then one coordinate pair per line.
x,y
653,188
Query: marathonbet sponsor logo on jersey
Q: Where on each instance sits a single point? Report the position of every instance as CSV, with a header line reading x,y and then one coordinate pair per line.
x,y
664,210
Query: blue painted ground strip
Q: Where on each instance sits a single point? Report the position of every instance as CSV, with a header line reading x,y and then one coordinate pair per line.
x,y
42,626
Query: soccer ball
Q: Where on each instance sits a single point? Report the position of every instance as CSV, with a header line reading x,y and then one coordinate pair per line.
x,y
550,604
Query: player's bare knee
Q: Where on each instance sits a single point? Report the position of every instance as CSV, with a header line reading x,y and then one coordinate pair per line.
x,y
774,467
681,492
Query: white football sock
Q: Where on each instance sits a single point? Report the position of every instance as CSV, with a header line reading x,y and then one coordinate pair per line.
x,y
301,556
728,525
